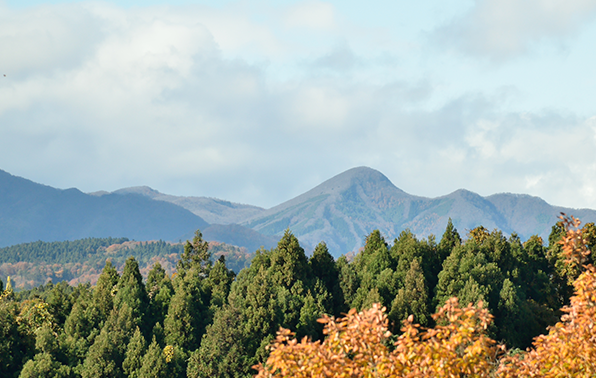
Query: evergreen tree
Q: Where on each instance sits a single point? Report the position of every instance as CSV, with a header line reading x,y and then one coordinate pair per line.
x,y
131,290
107,353
219,283
412,299
160,291
180,323
44,365
222,352
374,267
134,355
288,262
450,240
195,256
348,282
104,292
325,269
188,313
154,364
13,345
271,293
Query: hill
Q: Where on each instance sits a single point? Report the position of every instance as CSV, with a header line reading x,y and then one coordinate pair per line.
x,y
79,261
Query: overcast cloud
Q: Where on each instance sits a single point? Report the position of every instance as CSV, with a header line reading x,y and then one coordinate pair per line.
x,y
258,103
503,29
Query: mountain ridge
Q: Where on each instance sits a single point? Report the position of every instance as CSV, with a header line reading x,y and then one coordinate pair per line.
x,y
340,211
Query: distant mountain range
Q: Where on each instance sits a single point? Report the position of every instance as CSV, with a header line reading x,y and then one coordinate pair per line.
x,y
341,211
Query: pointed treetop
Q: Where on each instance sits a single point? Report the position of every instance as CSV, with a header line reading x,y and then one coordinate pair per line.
x,y
196,254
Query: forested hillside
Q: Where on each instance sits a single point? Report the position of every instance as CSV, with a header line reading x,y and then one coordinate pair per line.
x,y
205,321
81,261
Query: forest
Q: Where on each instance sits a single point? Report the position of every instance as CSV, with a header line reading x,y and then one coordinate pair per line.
x,y
79,261
204,320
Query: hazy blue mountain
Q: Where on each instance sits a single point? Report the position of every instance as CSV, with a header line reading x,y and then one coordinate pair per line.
x,y
344,209
31,212
212,210
341,211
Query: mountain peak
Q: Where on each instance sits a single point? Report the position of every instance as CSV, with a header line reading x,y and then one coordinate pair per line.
x,y
358,176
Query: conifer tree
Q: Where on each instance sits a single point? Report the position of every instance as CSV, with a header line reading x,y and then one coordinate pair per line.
x,y
160,291
450,240
45,365
373,263
222,352
325,269
131,290
288,262
154,364
107,353
104,292
188,313
271,293
412,299
13,345
180,323
134,355
348,281
219,283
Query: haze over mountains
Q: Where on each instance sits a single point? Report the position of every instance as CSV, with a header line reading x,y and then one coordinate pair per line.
x,y
341,211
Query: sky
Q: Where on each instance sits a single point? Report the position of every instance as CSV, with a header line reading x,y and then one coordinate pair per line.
x,y
259,101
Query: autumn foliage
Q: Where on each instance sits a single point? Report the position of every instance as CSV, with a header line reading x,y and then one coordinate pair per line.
x,y
360,345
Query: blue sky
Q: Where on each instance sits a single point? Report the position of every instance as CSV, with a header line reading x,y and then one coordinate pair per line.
x,y
256,102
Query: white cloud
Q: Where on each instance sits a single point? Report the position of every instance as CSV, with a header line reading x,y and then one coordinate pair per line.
x,y
502,29
164,97
316,15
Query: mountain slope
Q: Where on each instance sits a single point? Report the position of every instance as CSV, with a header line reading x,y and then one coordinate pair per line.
x,y
341,211
31,212
212,210
344,209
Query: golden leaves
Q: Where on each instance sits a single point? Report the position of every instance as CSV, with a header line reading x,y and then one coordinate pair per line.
x,y
356,346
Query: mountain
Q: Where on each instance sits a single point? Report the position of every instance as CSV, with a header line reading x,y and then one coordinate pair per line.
x,y
212,210
341,211
31,212
344,209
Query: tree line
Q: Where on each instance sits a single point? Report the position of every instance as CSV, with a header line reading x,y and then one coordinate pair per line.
x,y
33,264
206,321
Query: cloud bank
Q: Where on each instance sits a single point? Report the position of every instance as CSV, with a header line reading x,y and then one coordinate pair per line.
x,y
191,101
504,29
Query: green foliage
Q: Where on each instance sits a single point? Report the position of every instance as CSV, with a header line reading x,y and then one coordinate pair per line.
x,y
160,291
154,363
134,355
412,298
276,290
44,365
57,252
14,347
206,321
130,290
195,256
